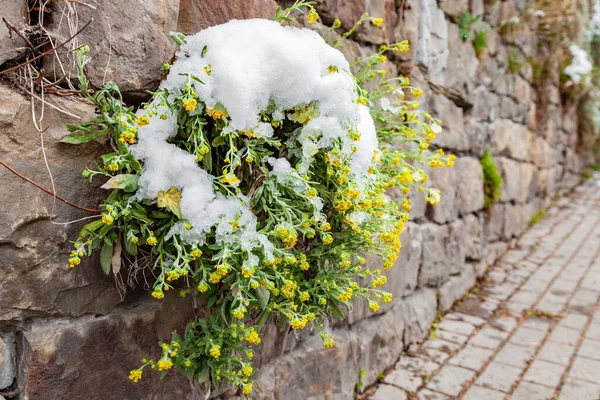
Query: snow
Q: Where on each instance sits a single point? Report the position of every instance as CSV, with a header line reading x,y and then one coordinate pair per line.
x,y
580,65
246,67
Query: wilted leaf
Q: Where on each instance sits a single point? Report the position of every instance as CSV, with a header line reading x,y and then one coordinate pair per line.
x,y
116,258
170,200
127,182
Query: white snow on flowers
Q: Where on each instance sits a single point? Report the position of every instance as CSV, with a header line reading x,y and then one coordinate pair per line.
x,y
252,65
580,64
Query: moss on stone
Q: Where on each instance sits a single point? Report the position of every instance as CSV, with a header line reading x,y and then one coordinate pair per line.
x,y
492,180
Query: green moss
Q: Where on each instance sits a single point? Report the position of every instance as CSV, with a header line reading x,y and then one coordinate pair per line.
x,y
516,62
492,181
537,217
464,24
480,42
586,175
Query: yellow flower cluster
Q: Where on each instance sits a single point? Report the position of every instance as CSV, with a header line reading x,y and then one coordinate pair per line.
x,y
135,375
252,337
215,351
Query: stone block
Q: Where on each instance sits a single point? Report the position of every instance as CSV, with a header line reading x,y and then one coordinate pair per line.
x,y
59,353
129,41
445,180
510,140
453,136
454,7
370,33
478,136
434,263
475,239
527,183
347,11
487,106
510,170
35,251
8,367
470,185
456,286
462,64
11,44
417,311
432,40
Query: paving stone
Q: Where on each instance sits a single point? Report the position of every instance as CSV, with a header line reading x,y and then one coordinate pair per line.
x,y
506,324
459,327
583,302
387,392
452,337
416,365
575,321
404,379
441,345
590,348
499,376
427,394
516,356
481,393
450,380
488,338
436,356
527,337
559,353
593,331
566,335
576,389
545,373
476,321
585,369
524,297
531,391
471,357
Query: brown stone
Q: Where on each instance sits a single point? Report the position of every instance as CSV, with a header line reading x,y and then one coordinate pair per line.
x,y
129,41
35,279
195,15
347,11
11,44
91,356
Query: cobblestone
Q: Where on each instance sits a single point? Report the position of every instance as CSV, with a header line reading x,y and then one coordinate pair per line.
x,y
532,332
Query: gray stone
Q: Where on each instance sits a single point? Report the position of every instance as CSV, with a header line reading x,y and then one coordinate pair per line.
x,y
454,7
456,287
404,379
312,371
478,135
527,337
434,264
8,367
585,369
479,393
450,380
526,182
455,248
370,33
494,222
462,63
488,338
531,391
487,106
499,376
445,180
379,343
195,15
453,136
510,170
11,44
510,140
348,12
34,252
418,311
471,357
129,42
544,373
58,353
432,44
517,356
474,240
387,392
470,185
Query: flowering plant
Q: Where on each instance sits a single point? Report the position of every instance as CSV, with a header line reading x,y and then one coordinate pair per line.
x,y
255,179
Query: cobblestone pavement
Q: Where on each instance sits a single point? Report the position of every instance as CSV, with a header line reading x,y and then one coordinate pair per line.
x,y
529,331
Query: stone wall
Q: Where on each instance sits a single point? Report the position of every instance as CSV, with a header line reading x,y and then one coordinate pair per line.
x,y
68,334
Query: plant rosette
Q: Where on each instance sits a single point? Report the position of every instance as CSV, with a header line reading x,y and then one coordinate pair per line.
x,y
257,179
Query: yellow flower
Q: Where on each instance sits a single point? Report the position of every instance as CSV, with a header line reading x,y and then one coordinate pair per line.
x,y
332,69
231,179
252,337
187,363
304,296
373,306
73,261
142,120
378,21
327,238
247,389
215,351
382,59
361,100
158,294
247,370
189,105
135,375
165,364
312,16
327,340
151,241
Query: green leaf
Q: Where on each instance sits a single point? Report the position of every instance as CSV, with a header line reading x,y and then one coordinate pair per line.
x,y
170,200
202,374
89,228
262,295
133,162
178,37
127,182
336,311
106,257
130,248
85,137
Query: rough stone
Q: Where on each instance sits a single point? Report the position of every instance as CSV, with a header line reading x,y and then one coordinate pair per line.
x,y
129,42
462,63
445,180
8,367
58,353
195,15
510,171
487,106
347,11
34,251
11,44
475,236
510,140
454,7
385,9
418,311
470,185
527,182
456,286
432,50
434,266
453,136
386,392
478,135
312,371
